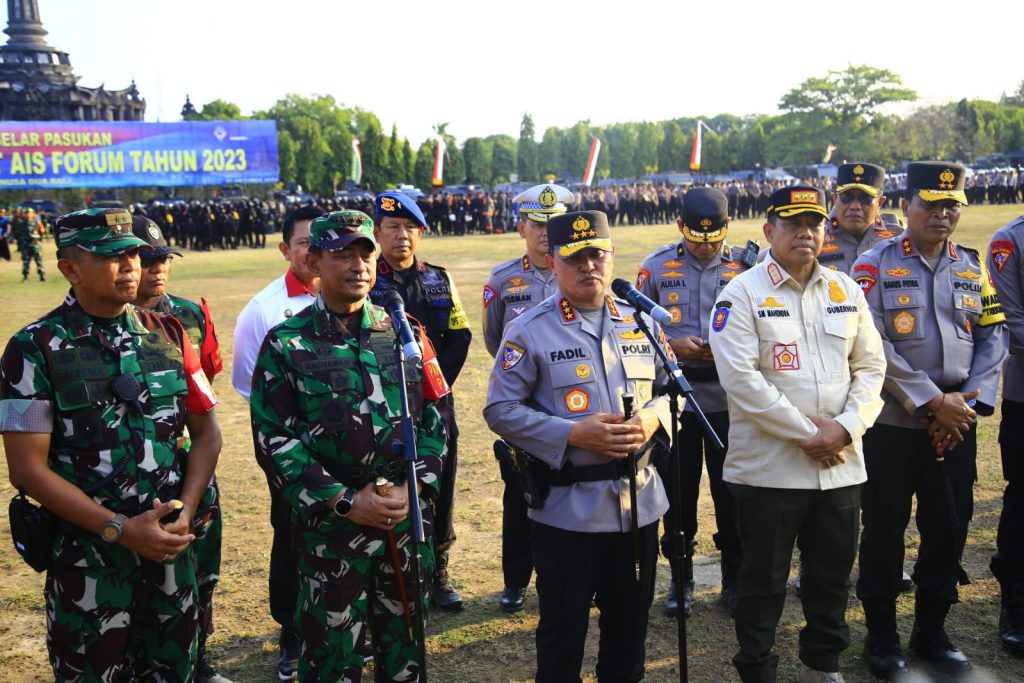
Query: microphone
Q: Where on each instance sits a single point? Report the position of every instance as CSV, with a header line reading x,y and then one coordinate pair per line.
x,y
626,291
395,307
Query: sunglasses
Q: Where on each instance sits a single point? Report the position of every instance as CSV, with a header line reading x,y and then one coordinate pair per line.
x,y
850,198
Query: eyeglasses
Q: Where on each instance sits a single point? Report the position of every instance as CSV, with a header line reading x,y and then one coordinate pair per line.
x,y
851,197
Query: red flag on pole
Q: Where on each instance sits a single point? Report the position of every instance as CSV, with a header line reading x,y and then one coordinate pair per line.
x,y
588,175
439,162
695,152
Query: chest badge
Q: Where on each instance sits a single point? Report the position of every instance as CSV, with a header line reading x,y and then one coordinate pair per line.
x,y
577,401
583,371
835,292
904,323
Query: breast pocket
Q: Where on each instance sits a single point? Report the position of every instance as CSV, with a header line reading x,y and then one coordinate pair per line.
x,y
574,388
780,346
903,315
90,419
639,378
840,331
967,310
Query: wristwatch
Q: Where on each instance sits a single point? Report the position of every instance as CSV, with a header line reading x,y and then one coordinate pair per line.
x,y
343,505
113,528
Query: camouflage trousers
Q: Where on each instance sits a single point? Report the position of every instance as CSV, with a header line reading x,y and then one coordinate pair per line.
x,y
208,528
338,599
29,252
123,624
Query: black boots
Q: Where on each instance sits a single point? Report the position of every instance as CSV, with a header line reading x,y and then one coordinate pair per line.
x,y
882,651
441,589
929,640
1011,618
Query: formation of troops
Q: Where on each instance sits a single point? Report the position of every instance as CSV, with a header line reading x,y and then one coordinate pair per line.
x,y
843,369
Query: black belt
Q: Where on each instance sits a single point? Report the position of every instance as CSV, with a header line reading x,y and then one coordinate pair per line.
x,y
700,373
358,476
575,474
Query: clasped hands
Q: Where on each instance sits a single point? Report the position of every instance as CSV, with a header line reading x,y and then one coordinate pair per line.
x,y
611,435
827,445
953,418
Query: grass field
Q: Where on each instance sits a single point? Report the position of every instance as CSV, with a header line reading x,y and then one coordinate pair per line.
x,y
481,643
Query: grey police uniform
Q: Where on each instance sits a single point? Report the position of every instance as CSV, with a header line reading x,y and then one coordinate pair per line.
x,y
841,248
935,340
1006,266
513,288
688,289
555,368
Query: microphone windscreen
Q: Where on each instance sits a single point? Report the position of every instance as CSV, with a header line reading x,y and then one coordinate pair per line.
x,y
621,287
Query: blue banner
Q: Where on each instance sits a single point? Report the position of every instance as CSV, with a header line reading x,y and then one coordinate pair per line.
x,y
59,154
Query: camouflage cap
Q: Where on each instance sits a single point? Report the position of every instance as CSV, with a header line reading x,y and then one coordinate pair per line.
x,y
149,232
107,232
335,231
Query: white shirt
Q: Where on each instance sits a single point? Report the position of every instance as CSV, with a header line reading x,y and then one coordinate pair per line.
x,y
785,353
281,299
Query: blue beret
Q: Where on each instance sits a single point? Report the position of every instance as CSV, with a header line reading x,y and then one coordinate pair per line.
x,y
397,205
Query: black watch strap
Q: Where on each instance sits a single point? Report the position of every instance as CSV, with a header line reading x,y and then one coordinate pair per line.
x,y
343,506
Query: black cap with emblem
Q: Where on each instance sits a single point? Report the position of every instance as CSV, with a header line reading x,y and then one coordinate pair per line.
x,y
796,199
705,215
569,233
936,180
860,176
149,232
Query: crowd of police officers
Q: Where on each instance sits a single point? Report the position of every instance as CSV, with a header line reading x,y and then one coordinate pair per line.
x,y
569,434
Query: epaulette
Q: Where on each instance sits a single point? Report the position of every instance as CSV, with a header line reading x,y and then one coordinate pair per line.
x,y
505,265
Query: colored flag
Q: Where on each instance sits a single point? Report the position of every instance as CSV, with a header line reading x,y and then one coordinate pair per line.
x,y
588,175
695,152
828,153
356,172
439,162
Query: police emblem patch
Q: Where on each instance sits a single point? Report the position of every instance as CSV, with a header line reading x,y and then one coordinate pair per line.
x,y
1001,251
785,357
489,295
577,401
676,313
866,283
583,371
903,299
835,292
720,317
904,323
387,204
641,277
511,354
673,297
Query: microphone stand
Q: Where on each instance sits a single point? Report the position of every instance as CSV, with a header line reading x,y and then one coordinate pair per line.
x,y
408,447
677,387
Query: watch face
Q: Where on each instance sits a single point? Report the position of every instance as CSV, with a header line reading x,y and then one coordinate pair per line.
x,y
110,533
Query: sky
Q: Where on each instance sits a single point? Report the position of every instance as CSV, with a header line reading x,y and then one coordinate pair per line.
x,y
479,66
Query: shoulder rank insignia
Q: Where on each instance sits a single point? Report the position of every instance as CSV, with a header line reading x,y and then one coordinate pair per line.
x,y
568,312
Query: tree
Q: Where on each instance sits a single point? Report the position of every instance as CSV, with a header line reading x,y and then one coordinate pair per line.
x,y
528,157
424,169
375,172
503,157
1016,99
396,158
410,160
477,156
844,96
217,110
550,151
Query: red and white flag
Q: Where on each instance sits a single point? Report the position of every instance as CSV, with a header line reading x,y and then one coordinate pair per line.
x,y
588,175
695,152
439,162
356,171
828,153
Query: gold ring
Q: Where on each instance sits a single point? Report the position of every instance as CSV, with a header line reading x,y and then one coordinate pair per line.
x,y
389,521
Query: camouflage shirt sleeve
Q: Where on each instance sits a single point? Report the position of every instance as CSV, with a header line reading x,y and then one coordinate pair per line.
x,y
26,394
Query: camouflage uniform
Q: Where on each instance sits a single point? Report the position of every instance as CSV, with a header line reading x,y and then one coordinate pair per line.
x,y
346,392
28,246
109,611
207,522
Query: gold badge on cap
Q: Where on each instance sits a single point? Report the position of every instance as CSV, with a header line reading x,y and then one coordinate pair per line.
x,y
705,222
946,179
858,171
119,218
803,197
547,198
387,203
581,223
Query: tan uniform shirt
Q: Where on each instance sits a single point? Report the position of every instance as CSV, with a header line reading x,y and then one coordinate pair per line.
x,y
785,353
